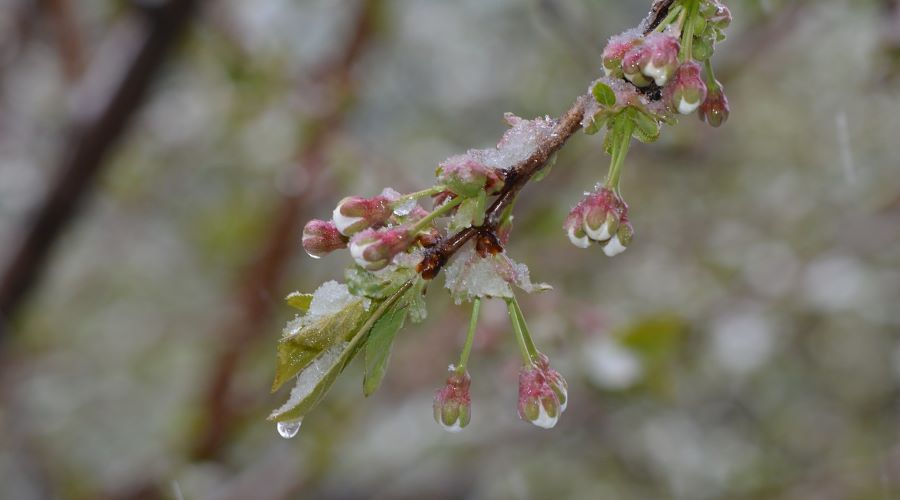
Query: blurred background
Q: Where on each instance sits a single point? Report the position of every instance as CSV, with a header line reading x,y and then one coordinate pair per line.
x,y
159,158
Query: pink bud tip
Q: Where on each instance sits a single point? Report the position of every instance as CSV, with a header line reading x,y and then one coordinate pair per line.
x,y
715,109
375,249
322,237
355,213
452,404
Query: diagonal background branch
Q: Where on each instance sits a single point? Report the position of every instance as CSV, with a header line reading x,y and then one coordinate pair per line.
x,y
112,92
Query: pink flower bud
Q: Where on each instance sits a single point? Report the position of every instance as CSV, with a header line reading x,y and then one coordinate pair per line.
x,y
614,51
602,211
574,227
714,109
375,249
355,213
556,381
538,402
321,237
466,176
717,14
655,59
452,405
687,89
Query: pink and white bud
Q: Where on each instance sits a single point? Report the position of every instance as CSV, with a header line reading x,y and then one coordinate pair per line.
x,y
374,249
538,402
715,109
452,404
687,90
556,381
574,227
466,176
615,51
655,59
602,210
618,243
355,213
322,237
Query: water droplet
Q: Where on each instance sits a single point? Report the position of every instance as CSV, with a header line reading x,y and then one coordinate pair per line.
x,y
289,429
313,256
405,208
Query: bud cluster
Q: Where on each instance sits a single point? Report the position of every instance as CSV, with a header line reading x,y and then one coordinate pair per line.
x,y
601,217
543,393
452,404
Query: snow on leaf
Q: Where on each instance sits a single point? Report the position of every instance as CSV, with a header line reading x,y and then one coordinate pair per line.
x,y
471,276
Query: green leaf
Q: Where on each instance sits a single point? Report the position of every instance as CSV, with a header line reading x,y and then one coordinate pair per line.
x,y
323,380
296,352
377,285
299,300
551,162
480,202
465,214
380,343
646,127
604,94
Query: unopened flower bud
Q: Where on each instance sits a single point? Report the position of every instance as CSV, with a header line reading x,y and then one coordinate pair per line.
x,y
466,176
375,249
717,14
452,404
687,90
574,227
355,213
556,381
321,237
618,243
614,52
602,210
714,109
655,59
538,402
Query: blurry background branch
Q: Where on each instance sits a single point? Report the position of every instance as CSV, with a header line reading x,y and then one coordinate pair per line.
x,y
258,290
107,99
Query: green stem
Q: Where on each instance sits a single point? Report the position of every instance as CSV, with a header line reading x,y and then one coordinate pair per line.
x,y
529,342
418,194
687,34
437,212
517,329
623,129
470,337
711,82
670,18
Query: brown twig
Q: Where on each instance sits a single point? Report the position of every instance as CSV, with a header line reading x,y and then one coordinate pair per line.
x,y
520,174
263,276
68,38
97,124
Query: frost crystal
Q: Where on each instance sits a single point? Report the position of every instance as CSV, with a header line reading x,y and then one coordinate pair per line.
x,y
405,208
310,377
330,298
518,143
471,276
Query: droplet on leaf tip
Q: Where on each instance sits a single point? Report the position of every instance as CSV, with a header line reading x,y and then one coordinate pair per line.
x,y
288,429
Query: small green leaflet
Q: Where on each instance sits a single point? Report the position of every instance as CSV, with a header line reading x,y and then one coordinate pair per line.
x,y
604,94
299,300
380,344
356,340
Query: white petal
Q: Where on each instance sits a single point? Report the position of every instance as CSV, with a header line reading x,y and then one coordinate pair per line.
x,y
356,251
342,221
599,234
582,242
687,108
658,74
455,427
613,247
544,420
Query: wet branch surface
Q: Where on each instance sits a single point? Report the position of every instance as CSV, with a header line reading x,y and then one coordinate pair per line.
x,y
519,175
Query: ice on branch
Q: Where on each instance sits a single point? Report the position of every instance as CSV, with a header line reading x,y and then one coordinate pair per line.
x,y
471,276
518,143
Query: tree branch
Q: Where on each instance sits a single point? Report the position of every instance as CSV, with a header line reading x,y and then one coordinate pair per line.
x,y
104,111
